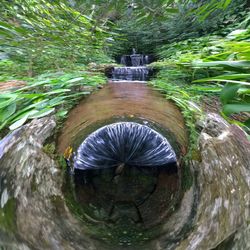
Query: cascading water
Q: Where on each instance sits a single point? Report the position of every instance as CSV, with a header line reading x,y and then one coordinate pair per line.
x,y
130,73
135,69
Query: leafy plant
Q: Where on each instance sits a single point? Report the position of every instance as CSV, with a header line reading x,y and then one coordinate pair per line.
x,y
43,35
175,82
44,95
221,62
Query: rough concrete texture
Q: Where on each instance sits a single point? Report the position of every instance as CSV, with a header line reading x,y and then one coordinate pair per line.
x,y
33,180
216,208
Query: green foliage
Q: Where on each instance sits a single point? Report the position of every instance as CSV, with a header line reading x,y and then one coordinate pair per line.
x,y
231,64
42,35
174,82
150,25
49,148
222,63
45,94
39,38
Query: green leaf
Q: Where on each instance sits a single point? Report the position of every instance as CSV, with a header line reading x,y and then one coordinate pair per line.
x,y
42,113
244,91
172,10
56,101
8,27
225,77
229,92
33,85
222,80
247,123
7,99
58,91
226,3
234,64
7,112
75,80
30,109
62,113
31,96
236,108
206,89
19,123
79,94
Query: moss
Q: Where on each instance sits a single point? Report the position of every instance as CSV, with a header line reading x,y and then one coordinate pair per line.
x,y
61,162
196,155
7,216
50,149
187,177
124,234
58,204
33,184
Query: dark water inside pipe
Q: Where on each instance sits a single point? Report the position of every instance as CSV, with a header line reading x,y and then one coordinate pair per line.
x,y
136,198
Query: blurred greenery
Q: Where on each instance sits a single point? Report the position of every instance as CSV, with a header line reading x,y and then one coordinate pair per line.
x,y
41,35
152,24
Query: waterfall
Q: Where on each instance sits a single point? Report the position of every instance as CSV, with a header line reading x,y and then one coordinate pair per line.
x,y
134,69
123,60
137,60
130,73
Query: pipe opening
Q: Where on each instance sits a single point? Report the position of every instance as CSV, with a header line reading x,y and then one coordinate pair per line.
x,y
126,179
